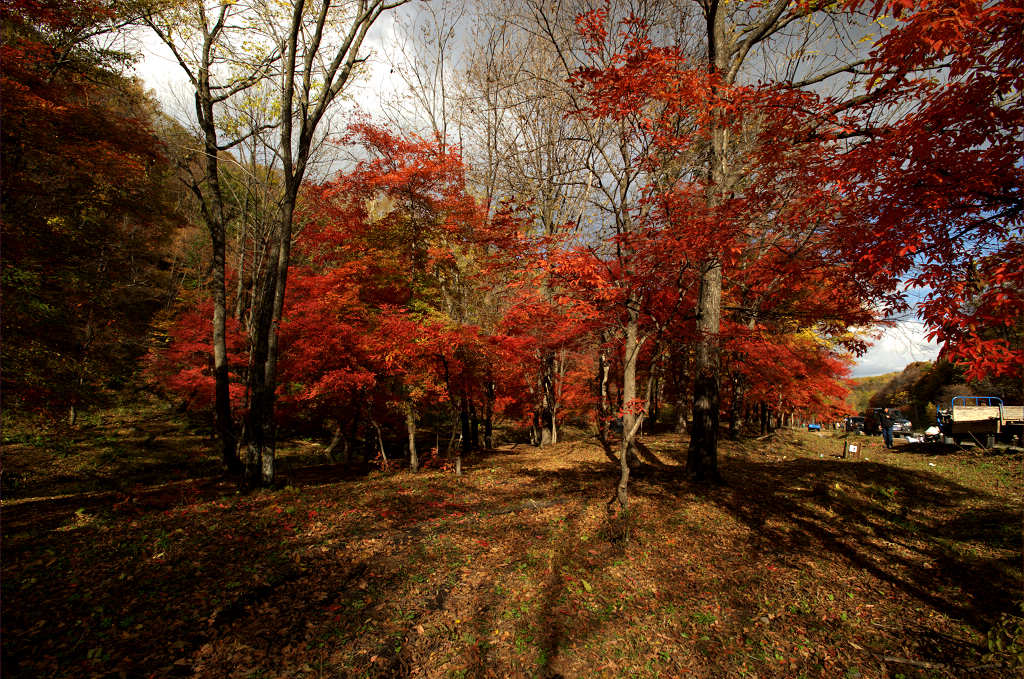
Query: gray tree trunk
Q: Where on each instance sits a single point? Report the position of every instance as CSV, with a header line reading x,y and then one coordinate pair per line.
x,y
213,212
464,448
489,415
630,423
410,428
548,434
702,456
337,438
602,402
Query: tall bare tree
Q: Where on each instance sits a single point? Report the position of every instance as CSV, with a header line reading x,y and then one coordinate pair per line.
x,y
204,38
321,45
515,97
574,169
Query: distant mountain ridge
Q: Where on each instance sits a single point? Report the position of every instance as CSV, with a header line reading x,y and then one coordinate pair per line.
x,y
915,390
863,388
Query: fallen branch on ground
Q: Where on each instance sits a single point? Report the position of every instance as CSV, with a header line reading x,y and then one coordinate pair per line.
x,y
915,663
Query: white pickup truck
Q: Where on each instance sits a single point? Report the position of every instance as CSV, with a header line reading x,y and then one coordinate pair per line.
x,y
980,416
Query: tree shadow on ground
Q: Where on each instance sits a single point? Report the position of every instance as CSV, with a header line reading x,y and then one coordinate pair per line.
x,y
891,522
942,545
411,570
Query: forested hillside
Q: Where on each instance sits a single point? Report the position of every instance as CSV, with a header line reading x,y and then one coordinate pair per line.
x,y
920,387
862,389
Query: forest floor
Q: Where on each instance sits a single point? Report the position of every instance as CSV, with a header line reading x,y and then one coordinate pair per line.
x,y
124,554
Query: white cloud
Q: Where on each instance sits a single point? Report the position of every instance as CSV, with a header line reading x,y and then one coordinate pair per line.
x,y
161,72
899,345
378,82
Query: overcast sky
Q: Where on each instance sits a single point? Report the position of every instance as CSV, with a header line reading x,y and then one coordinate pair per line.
x,y
161,72
902,344
899,345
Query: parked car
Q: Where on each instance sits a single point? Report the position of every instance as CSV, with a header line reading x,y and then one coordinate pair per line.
x,y
854,423
901,425
814,426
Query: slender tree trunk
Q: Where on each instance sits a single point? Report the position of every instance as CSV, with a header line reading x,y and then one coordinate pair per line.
x,y
682,414
311,80
255,276
222,394
547,396
215,223
240,263
652,416
682,402
489,415
208,192
474,426
263,375
554,423
630,424
464,448
380,444
451,439
702,457
556,393
602,402
337,437
735,405
410,428
260,403
283,261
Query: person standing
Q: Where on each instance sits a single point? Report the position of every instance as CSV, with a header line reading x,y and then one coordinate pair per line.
x,y
885,423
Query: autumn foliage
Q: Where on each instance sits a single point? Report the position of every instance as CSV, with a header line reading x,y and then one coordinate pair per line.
x,y
85,208
388,303
943,182
413,299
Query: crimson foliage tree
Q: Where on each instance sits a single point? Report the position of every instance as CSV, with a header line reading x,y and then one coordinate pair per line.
x,y
943,182
384,317
747,207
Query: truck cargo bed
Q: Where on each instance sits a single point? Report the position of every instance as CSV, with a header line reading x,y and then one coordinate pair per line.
x,y
1013,415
